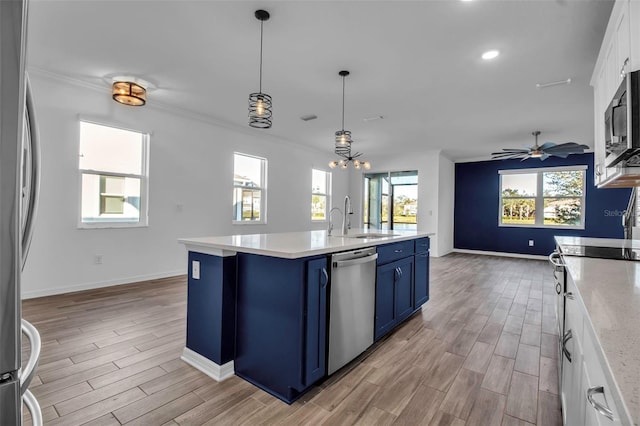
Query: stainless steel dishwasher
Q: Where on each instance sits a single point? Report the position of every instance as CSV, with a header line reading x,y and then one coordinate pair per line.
x,y
352,305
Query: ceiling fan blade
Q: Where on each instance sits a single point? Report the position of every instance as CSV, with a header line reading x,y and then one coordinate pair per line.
x,y
546,145
567,147
515,150
510,156
506,154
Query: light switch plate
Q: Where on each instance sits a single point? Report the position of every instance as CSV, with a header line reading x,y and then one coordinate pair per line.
x,y
195,270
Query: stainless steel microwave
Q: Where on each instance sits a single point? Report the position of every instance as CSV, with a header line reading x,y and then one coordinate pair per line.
x,y
622,123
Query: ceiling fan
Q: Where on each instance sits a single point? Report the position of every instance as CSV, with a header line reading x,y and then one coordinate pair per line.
x,y
542,152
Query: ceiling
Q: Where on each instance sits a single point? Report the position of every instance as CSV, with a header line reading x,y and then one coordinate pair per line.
x,y
416,63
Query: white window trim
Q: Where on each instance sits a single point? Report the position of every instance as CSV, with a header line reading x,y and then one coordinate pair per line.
x,y
263,193
328,183
143,222
539,198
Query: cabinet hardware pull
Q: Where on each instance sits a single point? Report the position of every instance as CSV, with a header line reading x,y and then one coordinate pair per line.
x,y
398,251
569,295
553,256
623,71
567,336
326,277
604,410
558,288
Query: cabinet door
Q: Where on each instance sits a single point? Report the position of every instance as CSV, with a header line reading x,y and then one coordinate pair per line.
x,y
385,298
621,39
316,321
404,288
421,280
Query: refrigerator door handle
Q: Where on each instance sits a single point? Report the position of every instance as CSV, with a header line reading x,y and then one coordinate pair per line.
x,y
34,340
34,408
33,188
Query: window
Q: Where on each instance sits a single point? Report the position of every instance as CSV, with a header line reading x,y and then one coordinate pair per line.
x,y
113,176
395,192
545,197
320,194
249,189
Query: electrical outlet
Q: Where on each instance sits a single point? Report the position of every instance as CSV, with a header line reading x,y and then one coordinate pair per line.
x,y
195,270
530,243
97,259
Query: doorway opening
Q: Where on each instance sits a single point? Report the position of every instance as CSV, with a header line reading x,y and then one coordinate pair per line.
x,y
391,200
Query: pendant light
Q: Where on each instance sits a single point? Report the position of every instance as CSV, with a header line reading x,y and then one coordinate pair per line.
x,y
343,137
343,142
260,103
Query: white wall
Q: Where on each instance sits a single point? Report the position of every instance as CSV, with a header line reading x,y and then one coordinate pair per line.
x,y
446,191
435,192
190,190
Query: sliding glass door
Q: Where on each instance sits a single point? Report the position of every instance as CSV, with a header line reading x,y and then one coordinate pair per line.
x,y
391,200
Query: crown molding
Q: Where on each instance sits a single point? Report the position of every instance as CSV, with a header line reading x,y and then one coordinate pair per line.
x,y
174,110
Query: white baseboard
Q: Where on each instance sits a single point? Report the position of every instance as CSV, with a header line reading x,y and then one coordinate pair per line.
x,y
502,254
208,367
99,284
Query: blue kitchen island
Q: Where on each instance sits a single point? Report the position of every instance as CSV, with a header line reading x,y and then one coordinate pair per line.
x,y
258,305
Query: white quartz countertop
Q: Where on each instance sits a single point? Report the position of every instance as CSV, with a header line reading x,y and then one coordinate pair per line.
x,y
597,242
294,245
610,293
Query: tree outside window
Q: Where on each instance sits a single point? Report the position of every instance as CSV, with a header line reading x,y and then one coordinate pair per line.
x,y
543,198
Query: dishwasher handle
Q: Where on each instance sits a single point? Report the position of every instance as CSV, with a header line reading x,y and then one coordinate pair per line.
x,y
356,261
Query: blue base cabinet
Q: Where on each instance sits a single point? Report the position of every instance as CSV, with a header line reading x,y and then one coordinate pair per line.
x,y
421,273
211,307
394,297
402,282
281,323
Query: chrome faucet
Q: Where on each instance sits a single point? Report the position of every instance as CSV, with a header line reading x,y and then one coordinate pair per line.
x,y
330,228
346,224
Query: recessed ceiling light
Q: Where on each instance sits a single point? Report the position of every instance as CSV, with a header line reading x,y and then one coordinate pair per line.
x,y
490,54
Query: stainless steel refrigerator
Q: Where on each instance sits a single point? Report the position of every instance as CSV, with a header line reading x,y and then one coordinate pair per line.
x,y
19,178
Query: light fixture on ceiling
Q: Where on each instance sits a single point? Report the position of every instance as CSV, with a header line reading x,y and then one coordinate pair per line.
x,y
260,103
490,54
343,142
343,137
129,93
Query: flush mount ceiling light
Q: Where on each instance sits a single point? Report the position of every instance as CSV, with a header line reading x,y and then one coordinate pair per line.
x,y
260,103
129,93
490,54
343,142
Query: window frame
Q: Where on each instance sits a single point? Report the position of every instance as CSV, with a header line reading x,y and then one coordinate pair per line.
x,y
263,192
143,220
327,206
539,198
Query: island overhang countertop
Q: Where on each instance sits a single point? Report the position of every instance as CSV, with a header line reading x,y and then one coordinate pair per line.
x,y
294,245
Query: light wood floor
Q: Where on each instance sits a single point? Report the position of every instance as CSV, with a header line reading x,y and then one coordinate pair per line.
x,y
482,351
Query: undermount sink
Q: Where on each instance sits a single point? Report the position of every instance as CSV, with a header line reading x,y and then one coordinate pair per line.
x,y
368,236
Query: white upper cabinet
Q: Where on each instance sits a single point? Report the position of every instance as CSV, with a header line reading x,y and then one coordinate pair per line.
x,y
619,54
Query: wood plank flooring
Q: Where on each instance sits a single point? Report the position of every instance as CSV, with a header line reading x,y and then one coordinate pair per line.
x,y
481,352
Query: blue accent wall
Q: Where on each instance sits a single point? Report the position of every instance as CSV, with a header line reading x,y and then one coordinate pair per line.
x,y
477,198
